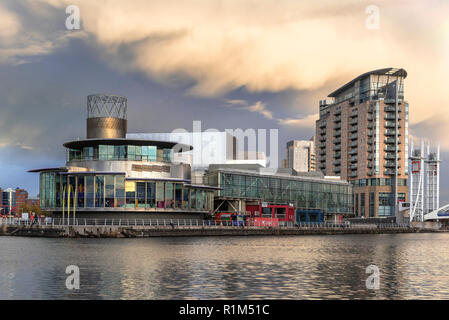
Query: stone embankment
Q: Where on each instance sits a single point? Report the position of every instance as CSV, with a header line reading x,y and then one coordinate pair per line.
x,y
189,231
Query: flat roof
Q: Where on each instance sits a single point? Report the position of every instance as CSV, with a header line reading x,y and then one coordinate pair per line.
x,y
394,72
79,144
281,176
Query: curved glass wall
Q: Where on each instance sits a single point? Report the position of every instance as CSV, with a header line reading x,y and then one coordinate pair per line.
x,y
113,191
330,197
123,153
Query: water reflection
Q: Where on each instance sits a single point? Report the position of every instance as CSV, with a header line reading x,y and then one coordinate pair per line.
x,y
307,267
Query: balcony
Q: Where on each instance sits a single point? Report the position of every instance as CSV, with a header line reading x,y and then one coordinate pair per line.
x,y
337,141
369,133
370,164
353,152
391,171
370,149
337,133
353,159
390,132
337,126
337,170
370,157
353,129
322,125
353,167
369,141
337,155
390,124
353,114
337,148
391,149
391,164
389,116
322,139
353,174
337,113
353,144
321,132
322,166
370,117
390,140
369,125
353,136
391,109
322,152
337,119
369,172
337,162
354,121
391,156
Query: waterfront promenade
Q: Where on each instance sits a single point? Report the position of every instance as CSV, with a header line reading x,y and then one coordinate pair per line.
x,y
138,228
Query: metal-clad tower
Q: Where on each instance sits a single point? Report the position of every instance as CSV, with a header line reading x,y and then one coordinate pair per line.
x,y
106,116
416,186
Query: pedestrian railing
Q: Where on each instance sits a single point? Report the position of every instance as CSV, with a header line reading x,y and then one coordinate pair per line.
x,y
195,223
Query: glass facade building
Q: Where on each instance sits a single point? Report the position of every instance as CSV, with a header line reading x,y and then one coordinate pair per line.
x,y
332,197
115,192
109,174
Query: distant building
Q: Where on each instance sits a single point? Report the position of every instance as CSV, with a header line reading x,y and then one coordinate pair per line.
x,y
32,202
11,200
301,155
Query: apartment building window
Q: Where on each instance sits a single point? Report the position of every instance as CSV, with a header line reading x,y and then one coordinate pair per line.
x,y
386,207
362,204
371,204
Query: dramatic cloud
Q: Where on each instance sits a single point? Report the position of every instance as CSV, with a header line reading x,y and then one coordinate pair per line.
x,y
269,61
306,122
258,107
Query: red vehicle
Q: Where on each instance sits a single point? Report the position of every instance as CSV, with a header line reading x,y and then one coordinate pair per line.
x,y
229,218
280,212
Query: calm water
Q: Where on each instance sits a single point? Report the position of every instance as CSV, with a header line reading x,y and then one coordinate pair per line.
x,y
304,267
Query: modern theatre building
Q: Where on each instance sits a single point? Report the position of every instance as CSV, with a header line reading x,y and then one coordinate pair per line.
x,y
109,176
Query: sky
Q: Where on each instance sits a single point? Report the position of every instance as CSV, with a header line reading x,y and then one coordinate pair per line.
x,y
231,64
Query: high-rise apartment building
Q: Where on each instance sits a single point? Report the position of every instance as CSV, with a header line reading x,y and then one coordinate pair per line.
x,y
301,155
362,136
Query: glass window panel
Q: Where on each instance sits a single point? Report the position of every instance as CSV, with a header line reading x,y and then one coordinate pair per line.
x,y
169,195
130,189
178,195
141,189
152,153
160,199
120,191
99,192
89,191
80,192
103,152
109,192
151,195
186,202
131,152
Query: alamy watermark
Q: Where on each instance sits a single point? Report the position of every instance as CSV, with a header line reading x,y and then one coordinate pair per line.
x,y
73,21
211,146
372,21
73,280
373,281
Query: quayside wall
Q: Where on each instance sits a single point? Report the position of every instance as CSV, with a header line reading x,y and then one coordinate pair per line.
x,y
176,231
